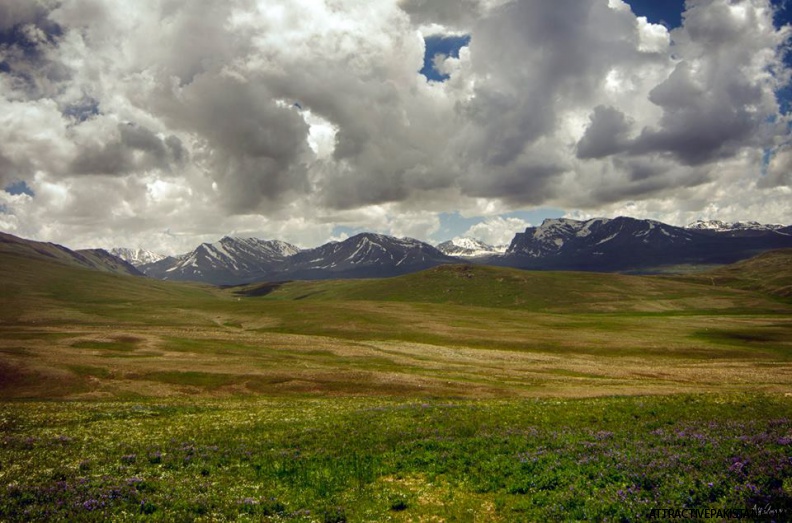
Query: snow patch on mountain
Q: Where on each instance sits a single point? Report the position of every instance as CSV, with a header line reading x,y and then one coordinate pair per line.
x,y
467,247
137,257
558,236
720,226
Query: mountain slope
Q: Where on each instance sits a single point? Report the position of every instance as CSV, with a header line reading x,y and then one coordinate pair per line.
x,y
717,226
96,259
465,247
621,244
365,255
137,257
229,261
102,260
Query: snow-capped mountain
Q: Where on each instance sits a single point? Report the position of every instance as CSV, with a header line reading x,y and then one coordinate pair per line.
x,y
240,260
732,227
365,255
465,247
137,257
618,244
631,244
229,261
557,236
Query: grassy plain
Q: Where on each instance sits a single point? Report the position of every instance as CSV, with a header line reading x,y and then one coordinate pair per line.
x,y
461,393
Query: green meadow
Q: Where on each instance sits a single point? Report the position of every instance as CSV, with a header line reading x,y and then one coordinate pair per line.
x,y
461,393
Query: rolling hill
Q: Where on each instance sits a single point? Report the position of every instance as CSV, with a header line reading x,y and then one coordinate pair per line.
x,y
548,291
769,273
97,259
452,330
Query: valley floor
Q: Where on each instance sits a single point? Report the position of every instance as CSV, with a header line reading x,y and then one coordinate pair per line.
x,y
517,355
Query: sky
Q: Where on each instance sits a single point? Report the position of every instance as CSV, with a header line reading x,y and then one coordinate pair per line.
x,y
162,124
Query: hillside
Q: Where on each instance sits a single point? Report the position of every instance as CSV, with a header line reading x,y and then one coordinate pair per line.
x,y
48,284
96,259
769,273
506,288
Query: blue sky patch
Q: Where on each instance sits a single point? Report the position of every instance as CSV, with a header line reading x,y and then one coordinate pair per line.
x,y
669,12
341,230
19,187
454,224
445,45
83,110
664,12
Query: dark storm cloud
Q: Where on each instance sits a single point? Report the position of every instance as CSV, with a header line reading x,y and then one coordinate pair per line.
x,y
134,149
702,121
637,177
532,184
607,134
259,144
535,61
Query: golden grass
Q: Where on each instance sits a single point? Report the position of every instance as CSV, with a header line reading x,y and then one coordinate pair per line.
x,y
547,357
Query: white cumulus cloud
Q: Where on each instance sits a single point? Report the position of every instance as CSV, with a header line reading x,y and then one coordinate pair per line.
x,y
178,121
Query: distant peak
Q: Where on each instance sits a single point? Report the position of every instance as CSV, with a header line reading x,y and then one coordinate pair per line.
x,y
466,246
136,257
718,225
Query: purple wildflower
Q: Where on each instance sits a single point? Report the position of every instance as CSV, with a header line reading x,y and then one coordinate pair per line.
x,y
92,504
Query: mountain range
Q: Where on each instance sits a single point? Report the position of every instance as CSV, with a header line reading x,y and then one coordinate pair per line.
x,y
629,244
229,261
604,245
233,261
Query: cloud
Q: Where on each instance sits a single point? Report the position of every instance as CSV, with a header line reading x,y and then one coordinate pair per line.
x,y
607,134
288,119
497,230
779,170
130,149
